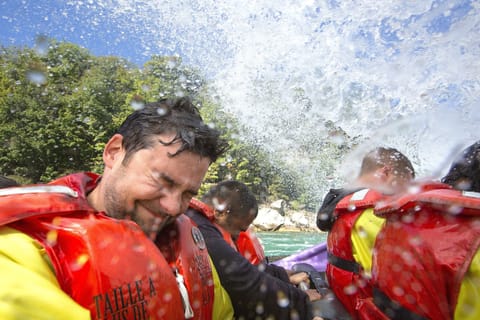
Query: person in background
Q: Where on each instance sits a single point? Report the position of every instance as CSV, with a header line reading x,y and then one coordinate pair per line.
x,y
7,182
263,291
427,260
232,207
86,246
347,215
464,173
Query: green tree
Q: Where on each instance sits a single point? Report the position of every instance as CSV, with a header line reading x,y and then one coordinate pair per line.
x,y
57,110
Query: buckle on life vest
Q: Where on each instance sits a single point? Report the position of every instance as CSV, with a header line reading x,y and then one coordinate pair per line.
x,y
184,294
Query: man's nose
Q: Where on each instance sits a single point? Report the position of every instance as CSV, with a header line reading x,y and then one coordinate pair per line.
x,y
172,204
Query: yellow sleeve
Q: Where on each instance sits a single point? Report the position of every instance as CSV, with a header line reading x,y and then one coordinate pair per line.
x,y
364,234
222,305
29,287
468,306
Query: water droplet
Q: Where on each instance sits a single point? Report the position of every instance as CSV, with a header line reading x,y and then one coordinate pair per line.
x,y
52,236
350,289
259,309
219,205
137,104
162,111
261,267
167,296
408,258
114,260
282,300
138,248
41,45
398,291
196,304
414,189
415,241
323,216
455,209
408,218
80,261
36,77
362,233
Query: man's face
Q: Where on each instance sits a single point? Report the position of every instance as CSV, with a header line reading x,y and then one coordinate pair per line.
x,y
235,224
152,188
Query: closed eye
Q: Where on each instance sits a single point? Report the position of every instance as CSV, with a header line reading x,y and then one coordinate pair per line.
x,y
167,181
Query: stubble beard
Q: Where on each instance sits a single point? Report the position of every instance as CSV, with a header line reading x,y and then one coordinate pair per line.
x,y
113,207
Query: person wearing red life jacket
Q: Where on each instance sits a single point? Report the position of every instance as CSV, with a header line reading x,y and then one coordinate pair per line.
x,y
427,260
234,221
347,215
87,246
228,209
233,207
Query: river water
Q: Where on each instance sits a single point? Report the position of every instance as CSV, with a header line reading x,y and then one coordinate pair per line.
x,y
279,244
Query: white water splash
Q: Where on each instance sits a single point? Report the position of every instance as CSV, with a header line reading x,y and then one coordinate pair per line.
x,y
399,73
285,67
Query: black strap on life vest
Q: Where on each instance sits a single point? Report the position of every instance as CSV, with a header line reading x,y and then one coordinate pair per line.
x,y
347,265
325,215
393,309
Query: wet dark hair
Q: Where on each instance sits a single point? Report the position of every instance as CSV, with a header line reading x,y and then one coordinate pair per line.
x,y
382,156
7,182
237,197
178,116
464,174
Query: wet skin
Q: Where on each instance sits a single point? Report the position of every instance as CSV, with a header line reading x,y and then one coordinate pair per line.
x,y
152,188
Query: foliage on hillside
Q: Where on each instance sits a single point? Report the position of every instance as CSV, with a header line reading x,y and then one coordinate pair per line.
x,y
58,108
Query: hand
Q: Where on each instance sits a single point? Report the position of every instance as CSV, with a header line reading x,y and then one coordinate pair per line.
x,y
299,277
313,294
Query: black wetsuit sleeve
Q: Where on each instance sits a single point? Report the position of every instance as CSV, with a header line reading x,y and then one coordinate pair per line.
x,y
277,272
255,294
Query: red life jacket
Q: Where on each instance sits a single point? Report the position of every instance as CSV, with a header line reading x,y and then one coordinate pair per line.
x,y
247,243
108,266
343,273
424,250
250,247
183,246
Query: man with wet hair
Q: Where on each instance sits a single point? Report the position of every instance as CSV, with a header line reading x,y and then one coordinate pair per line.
x,y
426,263
347,215
385,168
86,246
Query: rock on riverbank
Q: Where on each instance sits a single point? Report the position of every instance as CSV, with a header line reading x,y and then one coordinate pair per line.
x,y
278,217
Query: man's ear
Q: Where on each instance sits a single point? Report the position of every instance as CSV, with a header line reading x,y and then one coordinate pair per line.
x,y
113,150
386,171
